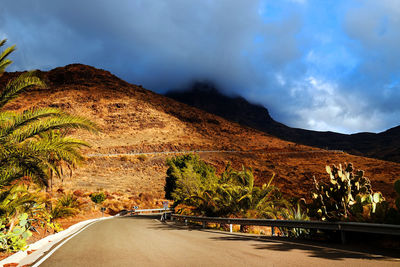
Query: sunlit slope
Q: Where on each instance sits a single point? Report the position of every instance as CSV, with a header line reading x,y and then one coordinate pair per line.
x,y
134,120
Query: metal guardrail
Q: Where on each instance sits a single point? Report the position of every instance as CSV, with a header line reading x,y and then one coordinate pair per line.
x,y
149,210
164,212
372,228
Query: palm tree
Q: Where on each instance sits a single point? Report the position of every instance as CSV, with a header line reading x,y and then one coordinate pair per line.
x,y
34,142
60,151
15,201
235,194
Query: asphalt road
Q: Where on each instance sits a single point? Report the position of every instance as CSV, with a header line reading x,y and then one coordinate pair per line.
x,y
132,241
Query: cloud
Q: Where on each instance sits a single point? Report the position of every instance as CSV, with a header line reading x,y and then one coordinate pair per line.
x,y
374,26
332,110
284,55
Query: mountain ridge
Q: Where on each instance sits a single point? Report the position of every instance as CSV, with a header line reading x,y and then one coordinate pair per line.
x,y
384,145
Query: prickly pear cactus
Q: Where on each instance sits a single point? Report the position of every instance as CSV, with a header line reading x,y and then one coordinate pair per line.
x,y
347,195
15,239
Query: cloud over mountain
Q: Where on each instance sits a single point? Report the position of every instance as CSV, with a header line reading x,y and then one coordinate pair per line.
x,y
314,64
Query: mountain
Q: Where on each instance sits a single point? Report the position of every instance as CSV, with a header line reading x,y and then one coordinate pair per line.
x,y
136,120
385,145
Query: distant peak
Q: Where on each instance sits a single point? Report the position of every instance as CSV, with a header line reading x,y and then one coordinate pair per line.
x,y
80,74
234,108
81,68
204,87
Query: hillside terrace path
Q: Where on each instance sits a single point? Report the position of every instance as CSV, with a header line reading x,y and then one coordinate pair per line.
x,y
208,151
145,241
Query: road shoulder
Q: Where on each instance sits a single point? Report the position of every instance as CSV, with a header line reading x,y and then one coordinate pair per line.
x,y
42,247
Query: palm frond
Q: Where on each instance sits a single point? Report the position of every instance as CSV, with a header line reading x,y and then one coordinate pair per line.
x,y
62,212
12,121
17,162
4,62
52,123
34,143
16,86
16,200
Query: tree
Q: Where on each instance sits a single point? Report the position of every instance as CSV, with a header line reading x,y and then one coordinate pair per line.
x,y
233,193
190,173
34,142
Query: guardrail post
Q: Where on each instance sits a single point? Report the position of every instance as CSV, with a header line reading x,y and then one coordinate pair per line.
x,y
204,225
338,227
230,228
343,237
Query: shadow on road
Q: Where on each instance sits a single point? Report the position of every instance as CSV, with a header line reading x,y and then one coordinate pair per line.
x,y
146,217
314,249
317,249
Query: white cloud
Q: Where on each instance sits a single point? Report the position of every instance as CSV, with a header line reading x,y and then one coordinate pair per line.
x,y
280,79
331,110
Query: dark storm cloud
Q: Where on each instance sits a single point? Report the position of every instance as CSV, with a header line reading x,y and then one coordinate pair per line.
x,y
263,50
156,43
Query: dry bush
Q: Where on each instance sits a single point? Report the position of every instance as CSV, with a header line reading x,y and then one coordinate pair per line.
x,y
142,157
113,204
78,193
109,196
145,197
60,190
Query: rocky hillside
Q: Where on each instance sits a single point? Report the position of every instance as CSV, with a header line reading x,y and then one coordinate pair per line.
x,y
135,120
385,145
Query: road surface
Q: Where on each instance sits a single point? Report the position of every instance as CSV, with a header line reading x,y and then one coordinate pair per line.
x,y
133,241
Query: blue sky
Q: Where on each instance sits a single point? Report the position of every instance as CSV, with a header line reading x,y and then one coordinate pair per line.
x,y
315,64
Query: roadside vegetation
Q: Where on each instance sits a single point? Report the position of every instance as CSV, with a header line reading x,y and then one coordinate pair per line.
x,y
197,189
35,147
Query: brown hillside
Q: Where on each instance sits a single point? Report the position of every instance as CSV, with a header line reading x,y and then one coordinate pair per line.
x,y
384,145
134,119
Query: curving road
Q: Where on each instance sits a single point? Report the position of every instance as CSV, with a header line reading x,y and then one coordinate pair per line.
x,y
144,241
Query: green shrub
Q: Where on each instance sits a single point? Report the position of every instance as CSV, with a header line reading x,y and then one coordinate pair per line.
x,y
60,211
98,198
67,206
192,182
392,214
296,213
69,200
397,189
190,172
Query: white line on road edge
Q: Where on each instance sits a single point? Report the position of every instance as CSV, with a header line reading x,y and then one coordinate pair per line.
x,y
62,243
43,245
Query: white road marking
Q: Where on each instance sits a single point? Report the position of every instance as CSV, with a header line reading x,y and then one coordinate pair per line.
x,y
62,243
